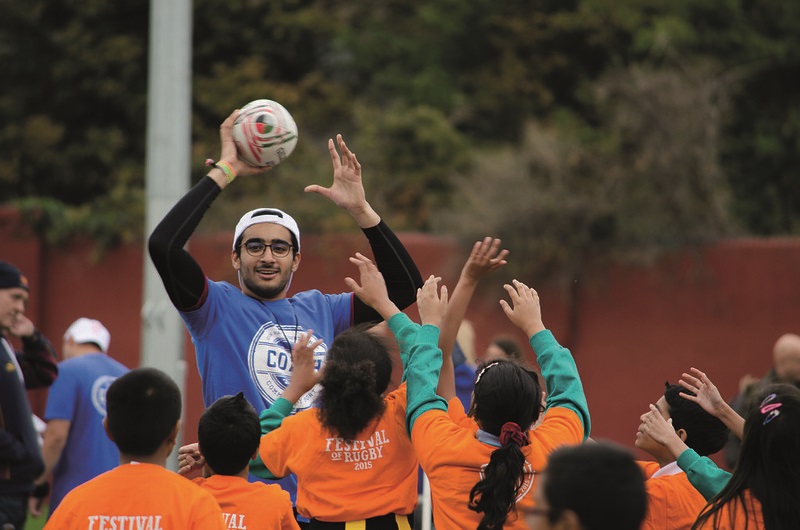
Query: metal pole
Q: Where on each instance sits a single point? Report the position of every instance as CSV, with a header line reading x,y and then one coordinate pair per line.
x,y
167,169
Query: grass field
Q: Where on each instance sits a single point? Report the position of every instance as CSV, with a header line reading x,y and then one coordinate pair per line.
x,y
36,523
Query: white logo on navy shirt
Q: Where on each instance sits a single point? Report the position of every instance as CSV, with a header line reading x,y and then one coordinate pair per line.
x,y
270,362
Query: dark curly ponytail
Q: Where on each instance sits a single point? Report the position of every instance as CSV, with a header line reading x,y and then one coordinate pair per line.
x,y
354,377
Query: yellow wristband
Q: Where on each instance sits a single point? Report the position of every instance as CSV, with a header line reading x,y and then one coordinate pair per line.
x,y
226,168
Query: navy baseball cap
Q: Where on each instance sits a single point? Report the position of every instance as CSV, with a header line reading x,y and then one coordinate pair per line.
x,y
11,277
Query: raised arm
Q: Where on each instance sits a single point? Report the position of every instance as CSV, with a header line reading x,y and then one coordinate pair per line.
x,y
372,291
303,378
562,382
485,257
424,355
393,260
709,398
182,276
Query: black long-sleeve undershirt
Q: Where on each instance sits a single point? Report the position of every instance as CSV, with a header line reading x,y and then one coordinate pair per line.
x,y
185,280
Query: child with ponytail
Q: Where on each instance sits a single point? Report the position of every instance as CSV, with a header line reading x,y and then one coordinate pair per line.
x,y
478,476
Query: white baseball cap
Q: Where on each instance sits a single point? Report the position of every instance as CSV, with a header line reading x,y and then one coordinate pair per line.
x,y
267,215
87,330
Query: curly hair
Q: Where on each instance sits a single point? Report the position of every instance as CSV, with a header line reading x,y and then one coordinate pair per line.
x,y
356,373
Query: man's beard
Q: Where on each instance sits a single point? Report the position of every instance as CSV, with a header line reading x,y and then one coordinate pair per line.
x,y
263,292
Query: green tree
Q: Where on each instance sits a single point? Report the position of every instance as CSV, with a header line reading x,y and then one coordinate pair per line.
x,y
426,94
646,179
73,109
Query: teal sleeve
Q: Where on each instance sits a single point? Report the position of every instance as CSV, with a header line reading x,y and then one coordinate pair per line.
x,y
270,419
563,384
424,364
405,331
703,473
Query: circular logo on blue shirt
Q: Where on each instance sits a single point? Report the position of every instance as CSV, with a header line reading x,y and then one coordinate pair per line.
x,y
99,388
270,362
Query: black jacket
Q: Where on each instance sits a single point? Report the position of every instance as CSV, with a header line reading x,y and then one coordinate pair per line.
x,y
20,455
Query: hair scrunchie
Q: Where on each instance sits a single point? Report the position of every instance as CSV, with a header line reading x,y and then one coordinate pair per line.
x,y
512,433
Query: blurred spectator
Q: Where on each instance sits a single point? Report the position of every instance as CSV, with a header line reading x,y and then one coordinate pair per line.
x,y
76,447
503,347
785,369
34,367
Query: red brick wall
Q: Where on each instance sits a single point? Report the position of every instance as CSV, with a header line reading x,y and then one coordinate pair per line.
x,y
630,328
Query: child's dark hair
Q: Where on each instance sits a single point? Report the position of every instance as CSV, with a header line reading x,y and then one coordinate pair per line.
x,y
599,482
229,433
505,404
706,434
355,375
143,406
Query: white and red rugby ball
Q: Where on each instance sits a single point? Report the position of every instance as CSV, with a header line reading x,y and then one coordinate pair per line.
x,y
265,133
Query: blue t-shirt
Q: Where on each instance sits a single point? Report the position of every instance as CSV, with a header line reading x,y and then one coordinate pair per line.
x,y
79,396
245,345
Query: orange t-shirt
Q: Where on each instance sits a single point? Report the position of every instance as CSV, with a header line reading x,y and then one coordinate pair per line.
x,y
732,516
134,496
250,505
672,502
339,481
452,457
455,409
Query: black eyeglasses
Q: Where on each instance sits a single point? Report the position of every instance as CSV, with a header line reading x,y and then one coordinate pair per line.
x,y
257,247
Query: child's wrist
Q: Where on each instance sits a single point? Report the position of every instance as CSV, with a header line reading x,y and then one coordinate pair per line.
x,y
535,328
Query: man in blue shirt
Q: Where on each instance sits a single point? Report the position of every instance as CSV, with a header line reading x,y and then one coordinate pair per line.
x,y
243,334
76,447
